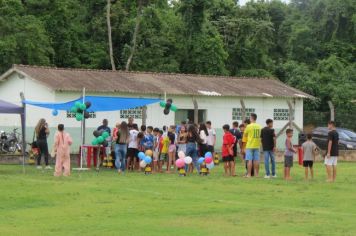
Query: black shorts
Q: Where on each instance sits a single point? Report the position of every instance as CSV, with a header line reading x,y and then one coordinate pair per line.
x,y
235,150
308,164
228,158
132,152
211,149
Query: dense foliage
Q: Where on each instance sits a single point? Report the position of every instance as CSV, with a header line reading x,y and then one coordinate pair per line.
x,y
309,44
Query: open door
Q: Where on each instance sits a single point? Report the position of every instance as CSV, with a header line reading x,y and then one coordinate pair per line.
x,y
188,114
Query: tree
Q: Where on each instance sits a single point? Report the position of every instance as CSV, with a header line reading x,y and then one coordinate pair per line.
x,y
134,37
159,43
208,55
23,38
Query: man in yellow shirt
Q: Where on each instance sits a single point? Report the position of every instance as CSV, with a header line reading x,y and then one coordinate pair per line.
x,y
252,135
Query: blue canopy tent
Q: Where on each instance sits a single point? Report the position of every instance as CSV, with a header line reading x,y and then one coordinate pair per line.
x,y
98,104
9,108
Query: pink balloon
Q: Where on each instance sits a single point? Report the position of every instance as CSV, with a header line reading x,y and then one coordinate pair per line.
x,y
180,163
208,160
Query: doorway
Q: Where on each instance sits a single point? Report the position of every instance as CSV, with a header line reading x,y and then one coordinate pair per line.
x,y
184,114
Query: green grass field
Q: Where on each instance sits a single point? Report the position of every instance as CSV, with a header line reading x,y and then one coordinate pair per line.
x,y
104,203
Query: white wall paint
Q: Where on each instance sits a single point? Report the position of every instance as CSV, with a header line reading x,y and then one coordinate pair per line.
x,y
219,109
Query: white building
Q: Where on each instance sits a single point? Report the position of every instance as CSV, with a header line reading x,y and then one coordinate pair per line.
x,y
218,99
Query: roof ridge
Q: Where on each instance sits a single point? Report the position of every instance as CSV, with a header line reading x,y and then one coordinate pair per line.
x,y
140,72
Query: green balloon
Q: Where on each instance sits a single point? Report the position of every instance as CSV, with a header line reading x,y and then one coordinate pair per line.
x,y
79,116
77,104
105,135
100,139
73,109
94,142
83,107
162,104
174,108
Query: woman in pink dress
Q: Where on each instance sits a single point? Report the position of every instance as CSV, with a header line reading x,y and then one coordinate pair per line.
x,y
62,142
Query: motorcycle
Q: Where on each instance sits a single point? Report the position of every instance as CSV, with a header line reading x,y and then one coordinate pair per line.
x,y
10,142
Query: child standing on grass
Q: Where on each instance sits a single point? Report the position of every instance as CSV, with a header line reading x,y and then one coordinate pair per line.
x,y
228,151
171,148
288,154
132,150
148,139
141,148
163,150
62,142
182,139
309,151
155,149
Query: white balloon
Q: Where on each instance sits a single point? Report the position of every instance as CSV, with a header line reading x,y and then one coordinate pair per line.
x,y
210,166
188,160
181,154
143,164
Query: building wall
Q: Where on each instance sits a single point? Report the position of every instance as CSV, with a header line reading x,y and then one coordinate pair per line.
x,y
10,91
218,110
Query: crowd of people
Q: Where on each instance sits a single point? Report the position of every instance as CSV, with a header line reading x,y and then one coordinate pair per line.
x,y
240,141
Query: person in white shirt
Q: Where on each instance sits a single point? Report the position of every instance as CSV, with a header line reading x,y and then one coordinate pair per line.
x,y
132,150
211,139
203,133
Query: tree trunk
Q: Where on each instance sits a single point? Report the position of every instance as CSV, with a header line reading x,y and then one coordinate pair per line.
x,y
196,111
134,38
291,115
332,110
144,115
108,10
243,110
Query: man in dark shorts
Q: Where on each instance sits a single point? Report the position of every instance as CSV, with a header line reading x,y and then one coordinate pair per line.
x,y
332,152
132,151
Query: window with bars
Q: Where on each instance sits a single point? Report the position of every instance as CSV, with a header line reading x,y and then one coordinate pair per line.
x,y
72,114
281,114
135,113
237,113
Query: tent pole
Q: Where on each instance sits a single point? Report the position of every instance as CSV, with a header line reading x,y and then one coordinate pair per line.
x,y
83,120
23,125
82,135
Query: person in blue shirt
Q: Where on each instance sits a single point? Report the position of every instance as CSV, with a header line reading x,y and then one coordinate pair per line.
x,y
148,139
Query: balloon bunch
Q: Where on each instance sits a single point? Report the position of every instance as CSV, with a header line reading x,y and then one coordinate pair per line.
x,y
182,161
168,106
146,159
100,138
207,162
79,108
